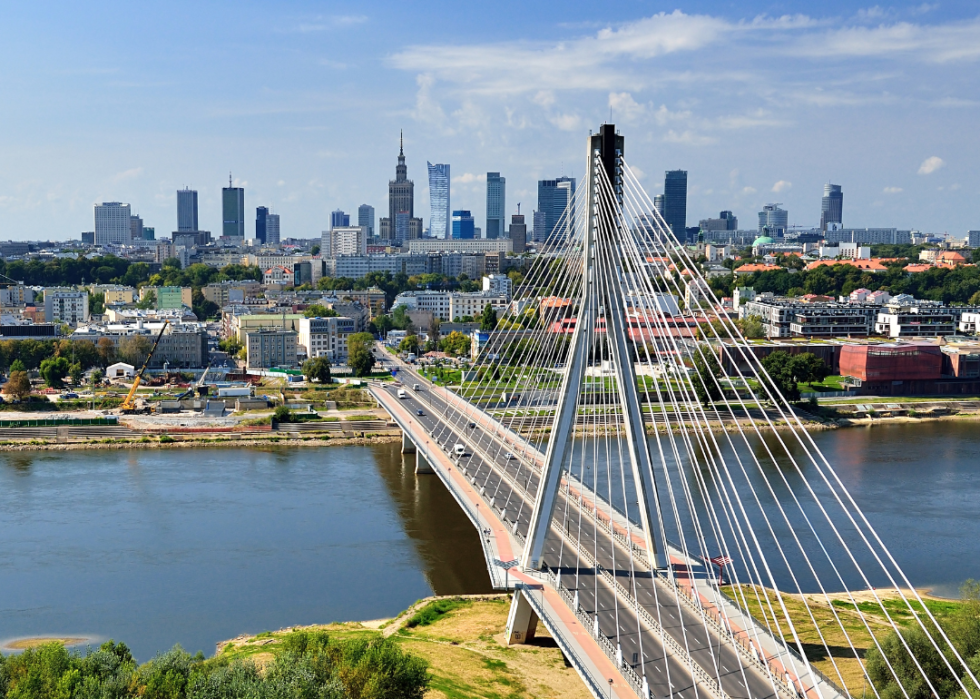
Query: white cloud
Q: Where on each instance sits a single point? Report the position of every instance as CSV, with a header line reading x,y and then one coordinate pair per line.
x,y
938,43
321,24
130,174
624,107
427,108
567,122
748,190
689,138
892,190
930,165
469,178
782,186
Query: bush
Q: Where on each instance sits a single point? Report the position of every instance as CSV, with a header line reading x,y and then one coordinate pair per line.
x,y
282,414
434,611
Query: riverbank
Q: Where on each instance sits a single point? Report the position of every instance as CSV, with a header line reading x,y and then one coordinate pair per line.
x,y
199,442
462,638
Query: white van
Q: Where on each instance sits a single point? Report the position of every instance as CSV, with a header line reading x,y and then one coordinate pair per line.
x,y
459,449
416,387
402,393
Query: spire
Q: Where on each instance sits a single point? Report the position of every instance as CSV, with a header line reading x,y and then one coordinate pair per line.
x,y
401,143
229,180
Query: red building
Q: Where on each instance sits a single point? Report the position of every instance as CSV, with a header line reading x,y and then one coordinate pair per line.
x,y
892,362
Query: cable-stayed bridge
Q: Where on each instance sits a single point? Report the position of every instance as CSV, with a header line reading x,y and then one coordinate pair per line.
x,y
675,528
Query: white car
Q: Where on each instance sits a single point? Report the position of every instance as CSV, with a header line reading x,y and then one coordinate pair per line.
x,y
508,456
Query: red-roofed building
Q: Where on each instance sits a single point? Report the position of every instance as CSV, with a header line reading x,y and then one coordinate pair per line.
x,y
873,265
755,267
916,267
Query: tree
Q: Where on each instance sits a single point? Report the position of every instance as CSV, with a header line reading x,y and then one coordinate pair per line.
x,y
382,324
318,310
148,301
809,368
17,365
96,304
705,383
231,345
410,344
400,319
315,250
203,308
488,321
752,327
359,357
456,344
317,369
83,352
18,385
106,349
54,371
76,373
135,349
96,377
779,366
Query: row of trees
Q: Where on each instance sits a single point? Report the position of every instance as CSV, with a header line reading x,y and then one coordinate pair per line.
x,y
786,370
309,666
32,353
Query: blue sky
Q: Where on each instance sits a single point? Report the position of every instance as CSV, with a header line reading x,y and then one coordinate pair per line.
x,y
303,101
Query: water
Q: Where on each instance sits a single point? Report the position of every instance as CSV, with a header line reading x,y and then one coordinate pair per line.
x,y
196,546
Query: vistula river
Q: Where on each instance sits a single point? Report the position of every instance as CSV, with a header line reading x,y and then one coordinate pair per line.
x,y
157,547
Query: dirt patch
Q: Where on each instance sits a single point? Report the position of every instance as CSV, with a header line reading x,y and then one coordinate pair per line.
x,y
25,643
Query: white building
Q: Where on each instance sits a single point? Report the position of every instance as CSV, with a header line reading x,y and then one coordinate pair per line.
x,y
434,302
470,245
112,223
120,370
462,304
498,284
65,306
849,251
344,240
16,295
278,275
326,337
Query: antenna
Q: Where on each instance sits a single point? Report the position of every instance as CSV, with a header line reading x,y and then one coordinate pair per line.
x,y
229,179
518,208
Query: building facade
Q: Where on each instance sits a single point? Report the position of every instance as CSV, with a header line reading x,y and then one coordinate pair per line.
x,y
344,240
365,218
554,196
773,220
831,207
65,306
112,223
675,202
496,206
186,210
269,348
261,229
518,233
400,224
440,216
463,225
272,236
326,337
233,211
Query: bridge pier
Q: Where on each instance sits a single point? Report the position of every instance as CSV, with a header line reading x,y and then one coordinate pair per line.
x,y
408,446
522,621
422,464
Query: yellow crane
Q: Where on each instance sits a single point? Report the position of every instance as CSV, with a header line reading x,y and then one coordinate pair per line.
x,y
128,406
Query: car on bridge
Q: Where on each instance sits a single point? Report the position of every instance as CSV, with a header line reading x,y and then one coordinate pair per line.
x,y
472,425
459,450
508,457
420,413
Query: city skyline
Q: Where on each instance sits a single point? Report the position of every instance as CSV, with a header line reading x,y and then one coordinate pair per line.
x,y
756,107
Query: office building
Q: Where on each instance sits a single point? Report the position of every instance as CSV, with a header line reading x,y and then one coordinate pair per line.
x,y
186,209
112,223
343,240
433,246
400,224
440,216
88,237
261,216
339,219
831,207
463,228
518,232
272,229
869,236
773,221
675,202
365,218
973,239
149,233
496,205
233,211
726,221
554,197
658,203
135,228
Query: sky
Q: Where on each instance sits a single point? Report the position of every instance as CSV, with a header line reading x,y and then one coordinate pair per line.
x,y
302,102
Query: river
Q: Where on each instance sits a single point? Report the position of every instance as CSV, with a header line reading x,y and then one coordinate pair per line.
x,y
156,547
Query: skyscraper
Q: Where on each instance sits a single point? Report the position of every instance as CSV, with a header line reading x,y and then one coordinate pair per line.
x,y
339,219
831,207
186,210
272,229
496,204
463,228
112,223
401,224
658,204
773,221
553,197
365,218
261,228
675,202
135,227
233,211
440,216
518,232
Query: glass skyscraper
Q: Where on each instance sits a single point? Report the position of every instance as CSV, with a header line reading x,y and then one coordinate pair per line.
x,y
440,218
365,218
232,211
339,219
553,198
261,216
463,225
186,210
496,205
832,207
675,202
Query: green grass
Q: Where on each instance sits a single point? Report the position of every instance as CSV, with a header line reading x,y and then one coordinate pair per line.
x,y
361,417
899,611
434,611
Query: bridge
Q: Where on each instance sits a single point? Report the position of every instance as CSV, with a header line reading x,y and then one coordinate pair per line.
x,y
611,467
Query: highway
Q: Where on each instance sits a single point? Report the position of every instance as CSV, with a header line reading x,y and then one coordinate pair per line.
x,y
509,486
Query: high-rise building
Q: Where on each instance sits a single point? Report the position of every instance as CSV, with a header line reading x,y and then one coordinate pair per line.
x,y
496,205
401,224
261,230
675,202
726,221
773,221
135,227
463,228
343,240
112,223
365,218
440,216
232,211
518,232
272,229
149,233
186,210
553,198
339,219
832,207
658,203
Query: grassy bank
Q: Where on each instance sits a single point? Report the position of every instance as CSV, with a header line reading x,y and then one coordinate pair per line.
x,y
462,640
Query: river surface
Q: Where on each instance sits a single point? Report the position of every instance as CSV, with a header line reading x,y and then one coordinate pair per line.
x,y
196,546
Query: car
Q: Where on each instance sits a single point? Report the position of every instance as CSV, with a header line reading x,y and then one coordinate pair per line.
x,y
419,413
472,425
459,449
69,396
508,456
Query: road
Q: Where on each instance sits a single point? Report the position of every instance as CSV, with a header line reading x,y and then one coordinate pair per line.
x,y
510,484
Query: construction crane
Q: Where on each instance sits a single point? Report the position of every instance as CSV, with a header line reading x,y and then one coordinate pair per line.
x,y
200,382
128,406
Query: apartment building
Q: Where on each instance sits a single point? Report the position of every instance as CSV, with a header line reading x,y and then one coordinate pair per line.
x,y
326,337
